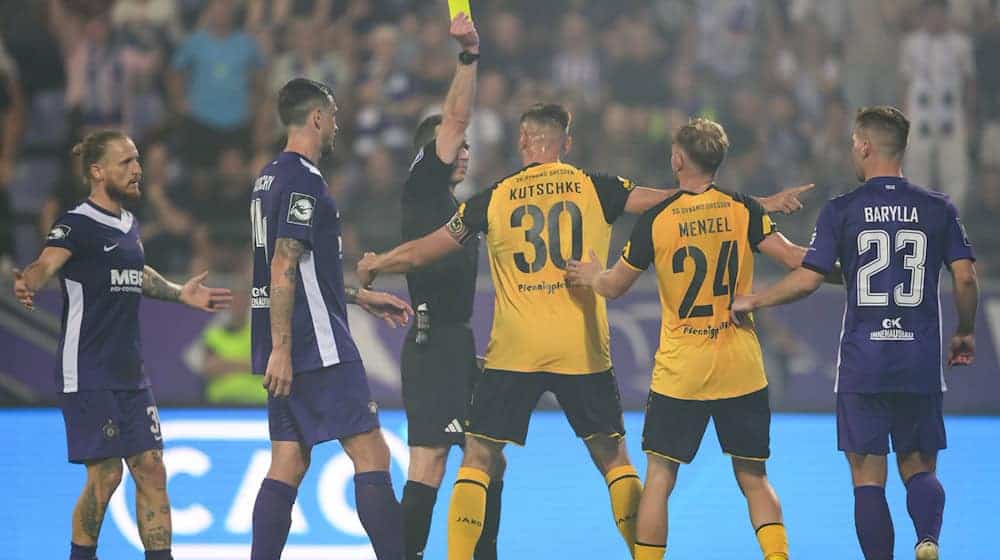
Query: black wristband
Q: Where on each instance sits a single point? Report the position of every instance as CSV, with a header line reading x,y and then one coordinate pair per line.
x,y
467,58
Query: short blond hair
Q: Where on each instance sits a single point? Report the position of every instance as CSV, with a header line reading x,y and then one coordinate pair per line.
x,y
705,142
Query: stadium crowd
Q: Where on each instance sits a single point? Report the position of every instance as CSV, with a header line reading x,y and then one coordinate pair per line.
x,y
193,81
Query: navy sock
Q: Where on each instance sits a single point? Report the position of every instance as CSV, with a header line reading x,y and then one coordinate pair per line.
x,y
873,522
925,502
159,555
486,548
78,552
272,518
379,513
417,505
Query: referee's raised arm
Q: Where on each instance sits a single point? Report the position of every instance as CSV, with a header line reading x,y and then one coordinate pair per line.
x,y
457,110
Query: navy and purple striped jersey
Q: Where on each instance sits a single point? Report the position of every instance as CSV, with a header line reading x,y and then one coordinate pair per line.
x,y
891,239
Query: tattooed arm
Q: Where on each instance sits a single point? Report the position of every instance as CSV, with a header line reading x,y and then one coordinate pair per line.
x,y
284,274
154,285
193,293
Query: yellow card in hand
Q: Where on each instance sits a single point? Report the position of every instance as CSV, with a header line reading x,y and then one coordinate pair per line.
x,y
456,7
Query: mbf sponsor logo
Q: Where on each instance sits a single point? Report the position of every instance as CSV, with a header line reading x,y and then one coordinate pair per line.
x,y
892,330
214,469
126,280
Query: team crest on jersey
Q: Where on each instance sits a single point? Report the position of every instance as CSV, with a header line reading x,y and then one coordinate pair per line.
x,y
109,429
300,209
59,232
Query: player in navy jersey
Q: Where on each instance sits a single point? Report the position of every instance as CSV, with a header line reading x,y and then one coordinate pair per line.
x,y
105,396
891,238
301,341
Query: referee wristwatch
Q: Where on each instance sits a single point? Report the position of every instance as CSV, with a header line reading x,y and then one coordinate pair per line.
x,y
467,58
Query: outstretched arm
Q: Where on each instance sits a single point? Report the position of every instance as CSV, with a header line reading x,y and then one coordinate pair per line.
x,y
798,284
36,274
611,283
410,255
192,293
785,202
456,114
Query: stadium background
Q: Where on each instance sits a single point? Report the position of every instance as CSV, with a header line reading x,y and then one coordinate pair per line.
x,y
193,81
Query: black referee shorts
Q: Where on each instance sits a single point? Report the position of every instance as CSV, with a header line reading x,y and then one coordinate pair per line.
x,y
438,379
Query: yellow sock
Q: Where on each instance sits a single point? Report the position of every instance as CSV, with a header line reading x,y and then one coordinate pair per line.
x,y
625,488
649,551
465,516
773,541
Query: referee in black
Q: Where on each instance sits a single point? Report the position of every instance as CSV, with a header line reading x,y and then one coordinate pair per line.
x,y
439,368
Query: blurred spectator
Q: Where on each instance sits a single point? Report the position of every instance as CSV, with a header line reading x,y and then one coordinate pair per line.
x,y
806,66
576,68
375,210
305,59
982,217
166,230
938,75
508,47
787,143
871,51
96,84
218,204
831,148
434,63
487,135
11,121
637,78
387,103
988,97
148,22
264,13
727,36
216,75
222,356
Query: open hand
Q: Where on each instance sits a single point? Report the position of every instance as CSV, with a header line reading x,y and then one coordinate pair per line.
x,y
197,295
387,307
21,291
583,274
739,311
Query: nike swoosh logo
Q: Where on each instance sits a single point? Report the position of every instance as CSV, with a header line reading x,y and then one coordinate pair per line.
x,y
109,248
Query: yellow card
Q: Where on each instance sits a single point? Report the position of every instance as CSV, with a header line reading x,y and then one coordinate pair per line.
x,y
456,7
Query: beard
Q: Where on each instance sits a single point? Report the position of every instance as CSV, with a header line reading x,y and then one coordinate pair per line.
x,y
125,193
327,147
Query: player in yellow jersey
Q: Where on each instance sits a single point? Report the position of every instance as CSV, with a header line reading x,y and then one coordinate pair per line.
x,y
546,337
700,240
